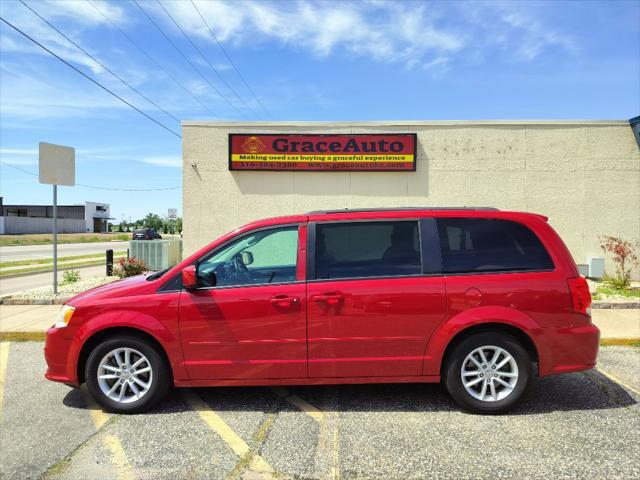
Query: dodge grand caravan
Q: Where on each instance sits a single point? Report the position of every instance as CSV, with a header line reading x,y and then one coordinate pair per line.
x,y
479,299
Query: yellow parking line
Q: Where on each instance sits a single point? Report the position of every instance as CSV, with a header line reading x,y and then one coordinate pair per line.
x,y
98,416
118,458
300,404
329,431
231,438
4,359
124,471
618,381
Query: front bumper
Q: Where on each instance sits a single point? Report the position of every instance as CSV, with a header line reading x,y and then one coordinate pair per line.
x,y
57,349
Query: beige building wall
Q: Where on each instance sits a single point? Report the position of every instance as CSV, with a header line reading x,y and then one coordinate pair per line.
x,y
583,175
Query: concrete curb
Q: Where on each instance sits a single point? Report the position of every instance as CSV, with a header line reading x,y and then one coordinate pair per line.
x,y
625,342
34,301
604,305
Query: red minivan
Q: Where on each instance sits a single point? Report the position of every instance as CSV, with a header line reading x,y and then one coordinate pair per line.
x,y
479,299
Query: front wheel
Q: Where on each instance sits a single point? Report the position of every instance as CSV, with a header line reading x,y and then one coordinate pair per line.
x,y
488,373
126,375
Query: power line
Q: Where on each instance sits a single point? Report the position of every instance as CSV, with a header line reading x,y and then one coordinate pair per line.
x,y
24,170
156,63
231,61
215,70
100,63
90,78
195,69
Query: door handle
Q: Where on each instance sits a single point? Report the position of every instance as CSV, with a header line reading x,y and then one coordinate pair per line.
x,y
329,298
284,301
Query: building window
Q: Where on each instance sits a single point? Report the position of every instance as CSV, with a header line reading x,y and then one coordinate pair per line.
x,y
16,212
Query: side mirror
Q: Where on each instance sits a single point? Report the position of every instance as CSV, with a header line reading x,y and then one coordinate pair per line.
x,y
189,277
247,258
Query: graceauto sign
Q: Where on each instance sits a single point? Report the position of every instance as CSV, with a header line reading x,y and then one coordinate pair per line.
x,y
322,152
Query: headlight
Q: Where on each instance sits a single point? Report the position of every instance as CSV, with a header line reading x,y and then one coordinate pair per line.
x,y
64,316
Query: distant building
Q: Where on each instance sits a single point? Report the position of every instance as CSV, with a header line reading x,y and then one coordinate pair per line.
x,y
91,217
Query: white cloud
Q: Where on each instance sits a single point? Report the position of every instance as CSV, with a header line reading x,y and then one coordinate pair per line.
x,y
429,36
162,161
71,17
536,37
384,31
28,94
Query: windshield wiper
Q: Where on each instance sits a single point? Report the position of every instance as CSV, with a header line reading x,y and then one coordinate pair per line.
x,y
157,275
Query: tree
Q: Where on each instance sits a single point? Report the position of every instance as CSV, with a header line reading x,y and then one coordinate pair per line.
x,y
152,220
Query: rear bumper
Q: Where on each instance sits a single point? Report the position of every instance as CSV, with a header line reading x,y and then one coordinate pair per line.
x,y
57,348
570,349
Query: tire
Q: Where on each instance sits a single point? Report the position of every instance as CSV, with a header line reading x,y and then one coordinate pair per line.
x,y
152,372
516,372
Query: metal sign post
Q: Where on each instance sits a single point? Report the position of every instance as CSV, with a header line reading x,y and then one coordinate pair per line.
x,y
55,239
57,165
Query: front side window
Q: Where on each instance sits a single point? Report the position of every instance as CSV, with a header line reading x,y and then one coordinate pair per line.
x,y
367,249
262,257
489,245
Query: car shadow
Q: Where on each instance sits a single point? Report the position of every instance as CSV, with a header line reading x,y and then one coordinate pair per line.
x,y
570,392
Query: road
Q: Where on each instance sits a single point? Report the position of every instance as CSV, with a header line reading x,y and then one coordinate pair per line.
x,y
17,284
578,425
38,252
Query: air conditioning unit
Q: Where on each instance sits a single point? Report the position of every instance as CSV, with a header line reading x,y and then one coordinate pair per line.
x,y
157,254
596,267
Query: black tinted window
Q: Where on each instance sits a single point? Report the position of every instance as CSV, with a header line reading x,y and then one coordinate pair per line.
x,y
485,245
367,249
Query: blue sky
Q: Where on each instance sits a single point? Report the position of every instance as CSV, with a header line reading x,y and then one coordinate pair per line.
x,y
370,60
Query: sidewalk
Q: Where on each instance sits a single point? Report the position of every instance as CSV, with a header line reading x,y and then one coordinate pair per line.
x,y
33,319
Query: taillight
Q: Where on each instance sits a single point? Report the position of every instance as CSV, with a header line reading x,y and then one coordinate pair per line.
x,y
580,295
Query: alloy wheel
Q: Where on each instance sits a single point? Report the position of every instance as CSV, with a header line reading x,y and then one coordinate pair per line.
x,y
489,373
125,375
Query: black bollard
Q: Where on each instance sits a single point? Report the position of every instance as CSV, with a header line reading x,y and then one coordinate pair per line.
x,y
109,263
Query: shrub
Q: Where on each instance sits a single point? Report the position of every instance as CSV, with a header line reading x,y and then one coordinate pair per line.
x,y
129,267
624,256
70,276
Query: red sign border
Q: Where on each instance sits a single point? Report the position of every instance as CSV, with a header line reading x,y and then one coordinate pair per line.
x,y
262,134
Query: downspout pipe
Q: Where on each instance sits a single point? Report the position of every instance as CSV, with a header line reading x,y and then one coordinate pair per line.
x,y
635,127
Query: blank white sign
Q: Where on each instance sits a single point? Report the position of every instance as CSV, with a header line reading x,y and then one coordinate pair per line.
x,y
57,164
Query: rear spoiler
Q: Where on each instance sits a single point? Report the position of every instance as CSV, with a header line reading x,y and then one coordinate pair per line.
x,y
541,217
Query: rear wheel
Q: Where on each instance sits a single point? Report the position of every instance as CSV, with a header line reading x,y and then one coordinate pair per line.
x,y
126,375
488,372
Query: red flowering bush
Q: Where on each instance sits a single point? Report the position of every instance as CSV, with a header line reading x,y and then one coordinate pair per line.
x,y
625,257
129,267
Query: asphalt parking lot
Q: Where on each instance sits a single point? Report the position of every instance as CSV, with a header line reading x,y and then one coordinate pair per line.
x,y
583,425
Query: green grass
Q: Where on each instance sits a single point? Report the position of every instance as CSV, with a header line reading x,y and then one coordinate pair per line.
x,y
49,268
46,239
45,261
607,290
46,265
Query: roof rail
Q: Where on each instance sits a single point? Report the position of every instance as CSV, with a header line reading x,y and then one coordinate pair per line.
x,y
391,209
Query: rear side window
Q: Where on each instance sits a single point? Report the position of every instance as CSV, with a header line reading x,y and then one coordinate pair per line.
x,y
367,249
489,245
